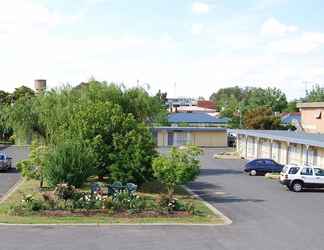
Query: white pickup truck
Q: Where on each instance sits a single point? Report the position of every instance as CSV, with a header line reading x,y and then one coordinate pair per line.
x,y
5,161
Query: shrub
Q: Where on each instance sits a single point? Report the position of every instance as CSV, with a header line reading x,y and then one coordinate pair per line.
x,y
178,167
124,200
32,168
27,204
170,204
49,199
71,162
64,191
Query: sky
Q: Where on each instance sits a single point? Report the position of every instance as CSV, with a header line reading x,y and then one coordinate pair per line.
x,y
186,48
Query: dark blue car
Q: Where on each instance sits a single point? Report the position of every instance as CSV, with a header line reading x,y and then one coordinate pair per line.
x,y
262,166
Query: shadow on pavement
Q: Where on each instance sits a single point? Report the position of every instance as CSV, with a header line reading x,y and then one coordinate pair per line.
x,y
198,185
2,146
9,171
226,199
213,193
218,171
313,190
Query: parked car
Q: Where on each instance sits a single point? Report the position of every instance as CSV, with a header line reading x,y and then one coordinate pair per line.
x,y
296,178
5,161
262,166
231,140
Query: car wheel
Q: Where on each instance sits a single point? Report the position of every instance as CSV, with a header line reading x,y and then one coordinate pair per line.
x,y
253,172
297,186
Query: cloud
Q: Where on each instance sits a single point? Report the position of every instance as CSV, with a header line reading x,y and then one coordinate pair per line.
x,y
200,8
27,17
197,28
272,27
305,43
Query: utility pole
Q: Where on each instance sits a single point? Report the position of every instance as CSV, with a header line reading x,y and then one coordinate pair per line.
x,y
306,85
175,90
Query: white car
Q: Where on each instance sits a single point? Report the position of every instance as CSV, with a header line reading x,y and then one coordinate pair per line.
x,y
296,178
5,161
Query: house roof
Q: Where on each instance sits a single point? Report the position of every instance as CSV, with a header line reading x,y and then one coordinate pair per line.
x,y
206,104
194,109
310,105
189,129
290,118
310,139
195,118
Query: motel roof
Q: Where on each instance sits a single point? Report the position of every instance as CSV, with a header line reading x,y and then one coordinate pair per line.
x,y
311,139
188,129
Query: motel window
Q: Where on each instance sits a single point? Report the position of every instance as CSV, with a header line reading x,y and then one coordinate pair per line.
x,y
318,115
182,138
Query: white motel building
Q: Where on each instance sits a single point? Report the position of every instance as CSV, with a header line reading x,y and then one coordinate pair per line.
x,y
285,147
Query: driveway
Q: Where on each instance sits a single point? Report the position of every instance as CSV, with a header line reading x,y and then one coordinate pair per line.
x,y
10,178
265,216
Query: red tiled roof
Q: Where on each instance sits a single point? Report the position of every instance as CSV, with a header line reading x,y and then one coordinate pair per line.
x,y
206,104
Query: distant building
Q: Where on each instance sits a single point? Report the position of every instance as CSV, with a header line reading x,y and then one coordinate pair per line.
x,y
293,119
312,116
206,104
196,120
178,136
181,101
192,109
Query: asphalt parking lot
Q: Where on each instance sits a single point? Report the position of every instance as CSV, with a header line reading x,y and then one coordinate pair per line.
x,y
11,177
265,216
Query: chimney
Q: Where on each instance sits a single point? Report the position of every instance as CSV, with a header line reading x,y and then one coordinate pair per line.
x,y
40,85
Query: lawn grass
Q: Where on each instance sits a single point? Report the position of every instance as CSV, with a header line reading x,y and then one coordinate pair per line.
x,y
206,216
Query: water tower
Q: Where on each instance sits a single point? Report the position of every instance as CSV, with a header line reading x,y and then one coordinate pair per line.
x,y
40,85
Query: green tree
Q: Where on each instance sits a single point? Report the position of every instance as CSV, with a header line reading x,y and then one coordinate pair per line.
x,y
5,98
223,98
270,97
178,167
97,114
292,107
22,92
316,94
261,118
23,119
33,167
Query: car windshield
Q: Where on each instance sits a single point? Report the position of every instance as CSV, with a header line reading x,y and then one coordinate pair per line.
x,y
2,157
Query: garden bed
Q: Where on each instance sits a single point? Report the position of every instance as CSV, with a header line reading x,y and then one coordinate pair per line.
x,y
102,216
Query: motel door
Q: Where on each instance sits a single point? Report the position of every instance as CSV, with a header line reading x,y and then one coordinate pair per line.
x,y
265,149
250,148
170,138
276,152
312,156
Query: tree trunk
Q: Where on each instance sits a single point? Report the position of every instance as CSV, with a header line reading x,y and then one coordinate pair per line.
x,y
170,192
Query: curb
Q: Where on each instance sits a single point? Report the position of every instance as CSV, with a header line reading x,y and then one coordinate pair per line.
x,y
12,190
227,221
113,225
